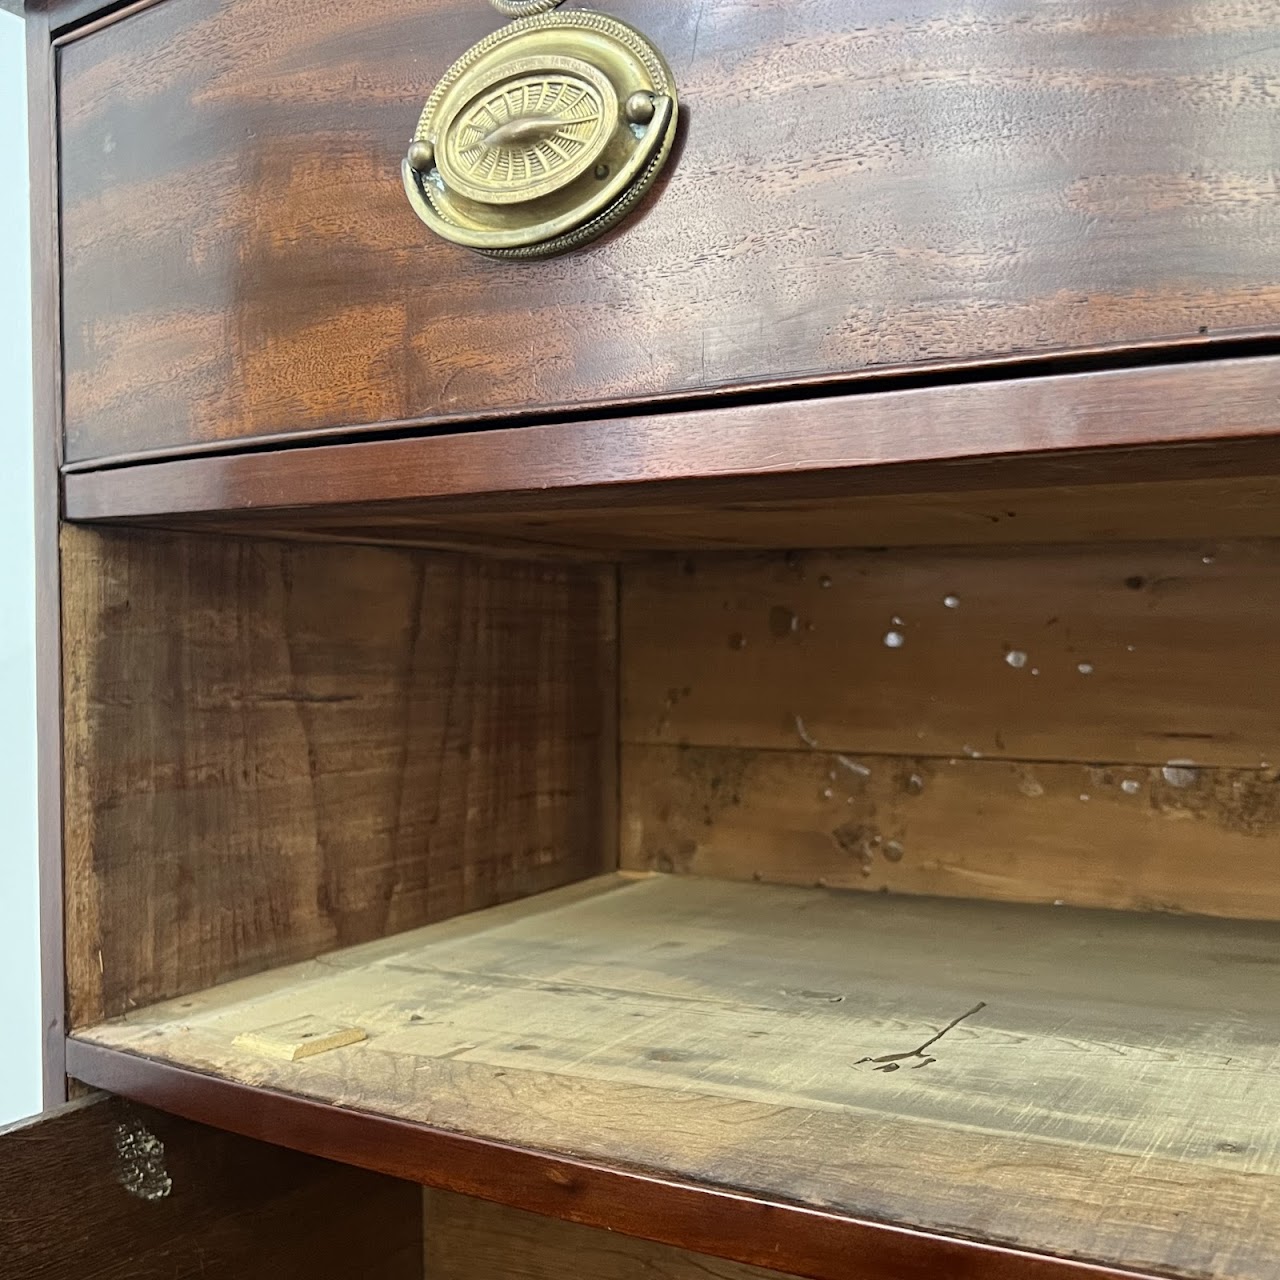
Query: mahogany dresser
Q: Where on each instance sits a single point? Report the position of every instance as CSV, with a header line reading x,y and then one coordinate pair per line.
x,y
659,619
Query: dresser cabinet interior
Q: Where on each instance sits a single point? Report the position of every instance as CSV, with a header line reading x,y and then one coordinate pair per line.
x,y
931,884
744,750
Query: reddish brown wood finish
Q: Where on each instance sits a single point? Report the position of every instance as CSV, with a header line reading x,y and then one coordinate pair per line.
x,y
859,188
785,1237
102,1189
47,394
873,442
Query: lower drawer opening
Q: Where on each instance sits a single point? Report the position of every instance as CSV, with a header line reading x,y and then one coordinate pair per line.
x,y
927,889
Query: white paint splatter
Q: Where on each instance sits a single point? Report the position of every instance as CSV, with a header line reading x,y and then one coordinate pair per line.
x,y
952,602
1085,668
1130,787
805,735
1016,659
1181,773
894,640
854,767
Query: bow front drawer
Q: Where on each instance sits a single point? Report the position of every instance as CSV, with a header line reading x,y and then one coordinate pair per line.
x,y
855,186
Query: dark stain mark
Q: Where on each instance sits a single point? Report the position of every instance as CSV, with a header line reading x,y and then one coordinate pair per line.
x,y
525,1048
1136,582
1231,1148
690,567
415,1017
669,1055
893,1061
1242,801
860,840
830,997
999,741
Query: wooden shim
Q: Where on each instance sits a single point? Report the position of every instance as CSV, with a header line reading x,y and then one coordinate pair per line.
x,y
299,1038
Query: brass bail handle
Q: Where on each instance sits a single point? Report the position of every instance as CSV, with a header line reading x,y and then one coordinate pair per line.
x,y
543,135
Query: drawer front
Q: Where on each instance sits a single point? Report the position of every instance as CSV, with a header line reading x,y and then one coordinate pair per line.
x,y
858,185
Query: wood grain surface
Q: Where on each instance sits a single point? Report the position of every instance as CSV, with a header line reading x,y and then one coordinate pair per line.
x,y
857,188
627,527
1119,836
1099,654
102,1189
1095,1085
750,1229
471,1239
273,750
1082,724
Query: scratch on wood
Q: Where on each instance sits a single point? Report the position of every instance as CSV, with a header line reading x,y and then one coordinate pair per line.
x,y
894,1061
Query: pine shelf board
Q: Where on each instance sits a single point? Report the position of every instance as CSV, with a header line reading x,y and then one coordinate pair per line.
x,y
1091,1085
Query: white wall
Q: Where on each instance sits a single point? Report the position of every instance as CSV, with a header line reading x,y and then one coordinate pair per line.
x,y
19,954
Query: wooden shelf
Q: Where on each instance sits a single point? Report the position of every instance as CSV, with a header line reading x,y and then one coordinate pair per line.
x,y
912,1074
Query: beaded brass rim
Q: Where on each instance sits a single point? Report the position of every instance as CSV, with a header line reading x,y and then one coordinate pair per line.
x,y
542,136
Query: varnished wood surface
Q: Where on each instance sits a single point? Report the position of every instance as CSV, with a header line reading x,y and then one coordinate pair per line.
x,y
748,1229
103,1189
1090,1084
46,387
856,189
272,750
1217,417
471,1239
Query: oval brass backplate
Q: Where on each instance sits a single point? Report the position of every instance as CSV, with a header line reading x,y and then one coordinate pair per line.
x,y
542,136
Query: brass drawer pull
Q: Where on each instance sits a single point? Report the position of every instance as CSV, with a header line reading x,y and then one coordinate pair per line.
x,y
543,135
